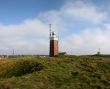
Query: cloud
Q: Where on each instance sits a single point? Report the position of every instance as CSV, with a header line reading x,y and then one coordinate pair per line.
x,y
75,11
71,16
24,36
88,42
31,35
84,11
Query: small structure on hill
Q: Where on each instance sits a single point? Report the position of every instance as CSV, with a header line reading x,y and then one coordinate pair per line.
x,y
63,53
99,53
3,57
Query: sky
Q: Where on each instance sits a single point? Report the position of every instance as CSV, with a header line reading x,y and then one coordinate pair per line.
x,y
83,26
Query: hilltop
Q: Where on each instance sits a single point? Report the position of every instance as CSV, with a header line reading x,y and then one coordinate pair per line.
x,y
69,72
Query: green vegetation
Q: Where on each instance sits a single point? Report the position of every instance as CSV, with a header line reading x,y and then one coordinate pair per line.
x,y
69,72
18,67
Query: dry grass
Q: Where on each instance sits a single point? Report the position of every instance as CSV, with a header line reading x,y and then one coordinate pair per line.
x,y
10,68
71,72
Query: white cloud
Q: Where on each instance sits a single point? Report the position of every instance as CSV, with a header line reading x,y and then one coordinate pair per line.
x,y
72,11
85,11
31,35
88,42
24,36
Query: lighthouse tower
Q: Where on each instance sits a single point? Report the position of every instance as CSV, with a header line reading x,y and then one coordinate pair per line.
x,y
53,44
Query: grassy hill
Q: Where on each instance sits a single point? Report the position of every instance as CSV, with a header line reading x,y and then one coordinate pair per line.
x,y
71,72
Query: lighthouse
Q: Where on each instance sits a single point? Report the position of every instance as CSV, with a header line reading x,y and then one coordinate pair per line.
x,y
53,44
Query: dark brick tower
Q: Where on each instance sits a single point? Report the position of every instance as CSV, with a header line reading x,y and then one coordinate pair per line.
x,y
53,44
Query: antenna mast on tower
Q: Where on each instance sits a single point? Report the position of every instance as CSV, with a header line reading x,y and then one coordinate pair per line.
x,y
50,29
13,52
98,53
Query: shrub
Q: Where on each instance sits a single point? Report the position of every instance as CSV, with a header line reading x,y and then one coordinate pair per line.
x,y
19,67
4,87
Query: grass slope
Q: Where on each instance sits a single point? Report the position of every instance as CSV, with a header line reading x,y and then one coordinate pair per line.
x,y
72,72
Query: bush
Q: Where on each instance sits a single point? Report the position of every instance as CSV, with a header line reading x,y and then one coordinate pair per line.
x,y
19,67
4,87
